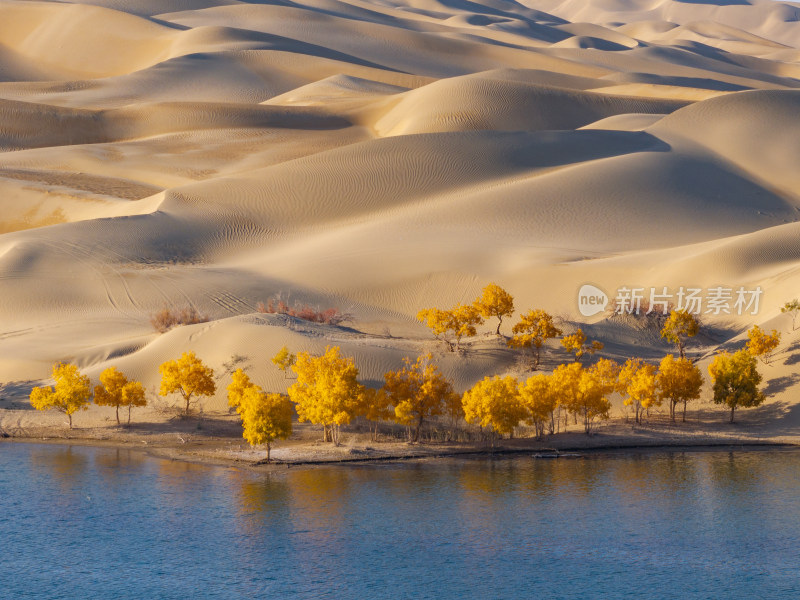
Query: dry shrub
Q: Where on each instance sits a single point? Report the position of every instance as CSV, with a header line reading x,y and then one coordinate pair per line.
x,y
167,318
329,316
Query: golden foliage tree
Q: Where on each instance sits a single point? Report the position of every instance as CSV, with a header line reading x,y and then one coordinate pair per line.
x,y
284,360
792,307
582,392
532,331
680,325
240,383
452,325
265,417
678,380
540,400
736,380
117,390
187,376
495,302
376,407
72,392
326,391
494,402
418,391
638,385
577,344
607,373
761,344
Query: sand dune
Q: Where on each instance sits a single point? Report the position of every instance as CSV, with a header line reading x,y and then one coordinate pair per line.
x,y
382,157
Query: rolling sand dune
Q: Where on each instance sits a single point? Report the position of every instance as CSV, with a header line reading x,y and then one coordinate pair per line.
x,y
381,157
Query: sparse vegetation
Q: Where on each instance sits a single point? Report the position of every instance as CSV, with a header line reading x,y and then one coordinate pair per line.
x,y
679,326
284,360
168,318
452,325
763,344
578,344
792,307
329,316
532,331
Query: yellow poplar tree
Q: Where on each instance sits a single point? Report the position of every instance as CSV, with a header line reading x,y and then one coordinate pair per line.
x,y
284,360
680,324
451,325
678,380
116,390
72,392
736,380
326,391
495,302
240,383
532,331
792,307
540,400
582,392
638,385
495,403
761,344
418,391
187,376
607,373
576,344
376,407
265,417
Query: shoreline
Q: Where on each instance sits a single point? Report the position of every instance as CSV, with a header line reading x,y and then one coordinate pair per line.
x,y
220,450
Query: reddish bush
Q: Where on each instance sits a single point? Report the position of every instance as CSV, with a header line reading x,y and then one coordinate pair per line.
x,y
330,316
167,318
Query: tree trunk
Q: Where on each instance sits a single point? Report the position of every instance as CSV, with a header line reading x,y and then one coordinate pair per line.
x,y
268,450
187,404
681,350
69,415
117,414
129,414
417,428
500,322
733,408
683,419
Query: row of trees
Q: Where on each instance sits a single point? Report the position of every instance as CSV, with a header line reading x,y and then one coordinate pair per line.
x,y
327,392
537,326
186,376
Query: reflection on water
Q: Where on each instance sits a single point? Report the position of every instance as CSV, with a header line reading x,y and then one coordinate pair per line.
x,y
650,525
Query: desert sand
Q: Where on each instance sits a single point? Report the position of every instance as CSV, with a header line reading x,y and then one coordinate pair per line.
x,y
381,157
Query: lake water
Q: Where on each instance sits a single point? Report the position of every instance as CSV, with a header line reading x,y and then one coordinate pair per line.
x,y
103,523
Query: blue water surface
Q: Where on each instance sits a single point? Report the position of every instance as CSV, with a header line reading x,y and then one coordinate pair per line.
x,y
81,522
